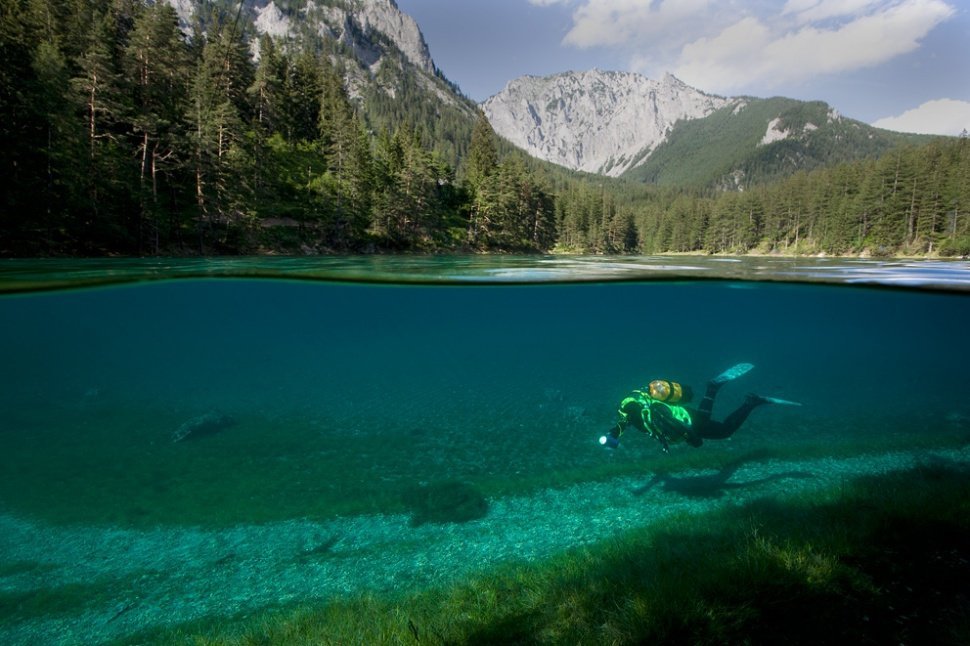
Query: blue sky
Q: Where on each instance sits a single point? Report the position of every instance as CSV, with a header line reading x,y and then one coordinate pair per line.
x,y
899,64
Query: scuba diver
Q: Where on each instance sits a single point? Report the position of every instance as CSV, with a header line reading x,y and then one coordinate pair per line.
x,y
657,411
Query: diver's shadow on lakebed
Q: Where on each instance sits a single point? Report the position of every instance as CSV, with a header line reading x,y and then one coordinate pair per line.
x,y
717,484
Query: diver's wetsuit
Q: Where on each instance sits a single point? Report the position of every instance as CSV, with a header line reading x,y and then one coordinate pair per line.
x,y
709,429
668,423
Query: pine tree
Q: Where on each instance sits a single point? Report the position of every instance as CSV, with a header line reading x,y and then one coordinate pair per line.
x,y
156,59
45,128
266,88
348,184
221,160
515,213
392,208
265,96
301,97
98,90
482,153
51,103
880,202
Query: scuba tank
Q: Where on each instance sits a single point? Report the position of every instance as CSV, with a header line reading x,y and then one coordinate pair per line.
x,y
669,392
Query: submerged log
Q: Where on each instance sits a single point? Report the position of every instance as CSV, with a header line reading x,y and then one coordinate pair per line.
x,y
201,426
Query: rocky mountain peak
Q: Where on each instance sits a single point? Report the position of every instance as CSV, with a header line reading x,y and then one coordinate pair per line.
x,y
596,121
342,20
385,17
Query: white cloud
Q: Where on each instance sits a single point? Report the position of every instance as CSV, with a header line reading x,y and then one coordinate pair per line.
x,y
606,23
798,6
753,52
807,11
739,47
725,46
547,3
939,117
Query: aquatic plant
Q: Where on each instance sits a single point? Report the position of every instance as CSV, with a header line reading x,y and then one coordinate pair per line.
x,y
60,600
883,560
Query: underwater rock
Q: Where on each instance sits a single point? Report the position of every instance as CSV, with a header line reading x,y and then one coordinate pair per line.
x,y
449,501
208,424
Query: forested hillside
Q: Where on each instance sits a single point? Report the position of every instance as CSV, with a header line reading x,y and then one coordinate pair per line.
x,y
124,133
732,149
913,200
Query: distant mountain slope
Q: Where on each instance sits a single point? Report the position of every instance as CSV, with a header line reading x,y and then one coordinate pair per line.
x,y
666,132
599,122
751,141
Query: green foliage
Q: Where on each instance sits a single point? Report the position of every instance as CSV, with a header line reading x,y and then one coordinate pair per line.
x,y
909,201
512,211
482,154
955,247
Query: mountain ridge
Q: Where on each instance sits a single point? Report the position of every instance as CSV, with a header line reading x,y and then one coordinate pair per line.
x,y
755,141
594,121
612,123
622,124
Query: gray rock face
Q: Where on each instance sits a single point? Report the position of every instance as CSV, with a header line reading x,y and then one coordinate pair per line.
x,y
346,20
385,17
599,122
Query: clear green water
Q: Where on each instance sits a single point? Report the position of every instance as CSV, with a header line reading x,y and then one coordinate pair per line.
x,y
352,399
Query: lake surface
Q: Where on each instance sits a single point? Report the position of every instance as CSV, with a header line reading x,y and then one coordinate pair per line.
x,y
36,275
186,440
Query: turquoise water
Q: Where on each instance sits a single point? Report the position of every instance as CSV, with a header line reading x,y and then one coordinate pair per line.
x,y
345,402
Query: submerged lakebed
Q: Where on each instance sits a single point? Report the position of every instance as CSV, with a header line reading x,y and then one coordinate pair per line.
x,y
194,441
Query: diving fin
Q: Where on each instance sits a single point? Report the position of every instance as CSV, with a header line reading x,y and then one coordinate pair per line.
x,y
732,373
783,402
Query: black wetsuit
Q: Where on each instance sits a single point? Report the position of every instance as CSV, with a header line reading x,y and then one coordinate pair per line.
x,y
705,428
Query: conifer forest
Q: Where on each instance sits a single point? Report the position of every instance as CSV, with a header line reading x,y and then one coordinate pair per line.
x,y
124,133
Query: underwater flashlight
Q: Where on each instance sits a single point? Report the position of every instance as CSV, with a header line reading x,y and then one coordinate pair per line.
x,y
609,441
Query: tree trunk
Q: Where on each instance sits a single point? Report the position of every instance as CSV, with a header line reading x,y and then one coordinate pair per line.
x,y
911,218
141,189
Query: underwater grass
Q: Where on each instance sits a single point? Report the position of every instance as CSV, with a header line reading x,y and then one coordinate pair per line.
x,y
880,559
63,600
118,465
16,568
60,600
